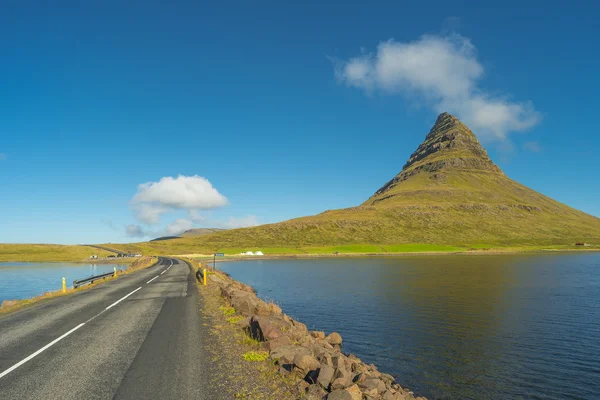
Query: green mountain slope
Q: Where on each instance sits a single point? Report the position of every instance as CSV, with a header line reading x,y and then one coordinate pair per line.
x,y
448,193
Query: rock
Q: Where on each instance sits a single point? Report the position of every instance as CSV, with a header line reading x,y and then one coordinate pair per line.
x,y
8,303
315,392
274,308
325,376
373,383
387,378
305,363
317,334
301,388
389,395
216,279
277,342
285,354
325,358
339,394
340,383
262,329
334,339
355,392
244,302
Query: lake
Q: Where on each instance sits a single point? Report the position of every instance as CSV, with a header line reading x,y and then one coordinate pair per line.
x,y
453,327
19,280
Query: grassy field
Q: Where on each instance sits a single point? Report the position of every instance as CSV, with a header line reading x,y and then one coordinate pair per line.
x,y
48,252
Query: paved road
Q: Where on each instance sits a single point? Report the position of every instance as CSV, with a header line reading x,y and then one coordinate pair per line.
x,y
140,336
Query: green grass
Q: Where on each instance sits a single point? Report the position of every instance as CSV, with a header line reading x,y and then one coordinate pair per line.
x,y
227,310
235,320
47,252
256,356
418,248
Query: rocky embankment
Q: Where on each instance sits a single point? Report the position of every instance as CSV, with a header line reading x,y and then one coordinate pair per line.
x,y
316,360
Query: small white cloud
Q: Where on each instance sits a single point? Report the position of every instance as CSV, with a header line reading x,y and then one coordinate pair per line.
x,y
532,146
178,226
195,216
154,199
244,222
133,230
443,72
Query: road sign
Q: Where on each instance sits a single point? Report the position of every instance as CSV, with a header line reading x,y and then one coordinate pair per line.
x,y
219,254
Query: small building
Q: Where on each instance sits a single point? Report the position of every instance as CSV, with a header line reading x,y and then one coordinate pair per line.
x,y
259,253
93,257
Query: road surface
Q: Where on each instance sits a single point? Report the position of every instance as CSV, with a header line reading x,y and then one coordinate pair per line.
x,y
137,337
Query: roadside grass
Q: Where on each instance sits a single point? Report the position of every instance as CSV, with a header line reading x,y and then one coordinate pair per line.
x,y
14,305
256,356
48,252
422,248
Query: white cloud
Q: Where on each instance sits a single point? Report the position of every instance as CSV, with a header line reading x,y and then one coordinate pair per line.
x,y
532,146
153,199
442,71
178,226
243,222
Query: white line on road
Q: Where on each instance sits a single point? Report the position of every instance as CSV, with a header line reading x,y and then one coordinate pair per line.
x,y
152,279
121,299
17,365
163,272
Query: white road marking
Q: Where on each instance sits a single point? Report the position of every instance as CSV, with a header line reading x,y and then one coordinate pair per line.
x,y
121,299
163,272
152,279
17,365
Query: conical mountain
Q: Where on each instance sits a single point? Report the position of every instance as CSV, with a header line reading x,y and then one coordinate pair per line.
x,y
449,192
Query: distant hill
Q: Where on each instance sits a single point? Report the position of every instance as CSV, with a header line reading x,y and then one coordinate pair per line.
x,y
189,233
200,231
449,192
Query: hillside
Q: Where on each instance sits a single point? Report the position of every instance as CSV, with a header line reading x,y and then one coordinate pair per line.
x,y
449,192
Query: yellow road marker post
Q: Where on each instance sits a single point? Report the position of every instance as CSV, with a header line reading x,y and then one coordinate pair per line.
x,y
64,285
115,271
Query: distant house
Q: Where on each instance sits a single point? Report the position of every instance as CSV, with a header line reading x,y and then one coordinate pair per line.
x,y
93,257
111,256
137,255
580,244
259,253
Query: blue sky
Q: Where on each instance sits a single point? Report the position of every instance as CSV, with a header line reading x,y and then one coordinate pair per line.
x,y
283,108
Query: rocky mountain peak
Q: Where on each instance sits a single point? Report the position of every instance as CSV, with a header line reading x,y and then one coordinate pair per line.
x,y
449,145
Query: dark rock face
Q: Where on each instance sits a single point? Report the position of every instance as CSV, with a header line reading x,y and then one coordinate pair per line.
x,y
450,144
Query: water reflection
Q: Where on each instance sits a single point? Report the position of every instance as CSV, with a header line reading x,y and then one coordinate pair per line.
x,y
507,326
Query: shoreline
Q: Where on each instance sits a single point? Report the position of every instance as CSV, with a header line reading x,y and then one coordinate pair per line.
x,y
312,359
232,258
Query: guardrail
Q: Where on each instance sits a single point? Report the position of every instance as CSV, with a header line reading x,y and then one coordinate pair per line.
x,y
91,279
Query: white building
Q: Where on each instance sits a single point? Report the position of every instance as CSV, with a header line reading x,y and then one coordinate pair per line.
x,y
259,253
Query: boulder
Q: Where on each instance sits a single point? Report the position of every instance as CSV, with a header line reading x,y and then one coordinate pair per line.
x,y
317,334
342,378
334,339
8,303
274,308
355,392
244,302
315,392
285,354
373,384
340,394
305,363
262,329
325,376
277,342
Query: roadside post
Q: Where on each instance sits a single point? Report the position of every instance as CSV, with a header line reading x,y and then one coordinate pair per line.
x,y
115,271
204,275
64,285
215,255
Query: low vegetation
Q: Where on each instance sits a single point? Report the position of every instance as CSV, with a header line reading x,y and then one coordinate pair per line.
x,y
48,252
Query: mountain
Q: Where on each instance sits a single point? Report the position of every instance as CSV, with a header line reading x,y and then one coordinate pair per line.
x,y
449,192
200,231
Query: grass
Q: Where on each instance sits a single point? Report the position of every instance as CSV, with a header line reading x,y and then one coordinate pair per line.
x,y
228,310
235,320
48,252
256,356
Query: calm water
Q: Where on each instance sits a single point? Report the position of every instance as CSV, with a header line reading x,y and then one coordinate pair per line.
x,y
25,280
453,327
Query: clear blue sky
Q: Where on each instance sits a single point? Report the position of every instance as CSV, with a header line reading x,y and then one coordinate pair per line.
x,y
98,97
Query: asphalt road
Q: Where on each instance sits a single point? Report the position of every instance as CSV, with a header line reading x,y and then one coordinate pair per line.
x,y
137,337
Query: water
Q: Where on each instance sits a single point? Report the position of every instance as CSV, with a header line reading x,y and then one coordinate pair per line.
x,y
453,327
26,280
